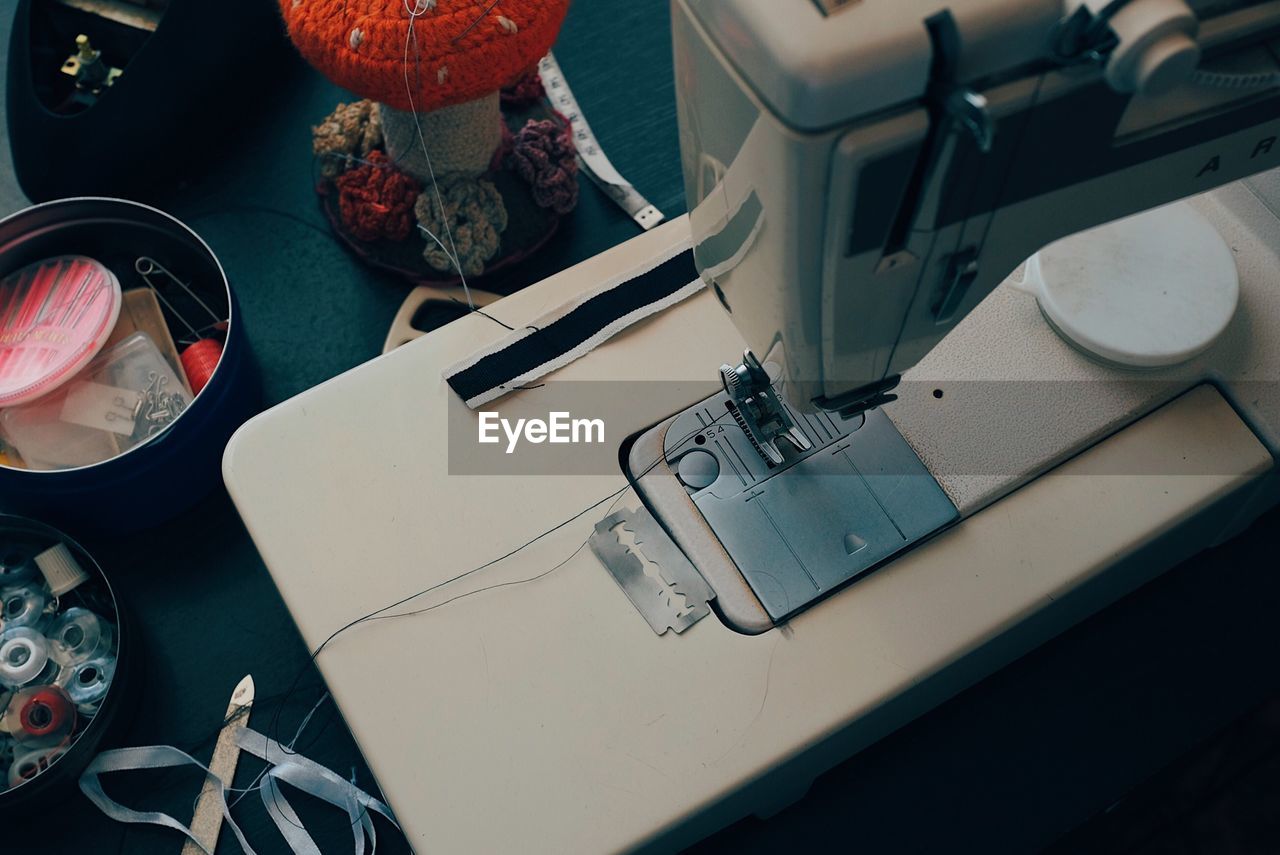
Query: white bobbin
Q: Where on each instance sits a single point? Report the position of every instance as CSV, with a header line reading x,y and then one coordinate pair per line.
x,y
24,653
15,568
21,605
31,763
86,683
79,635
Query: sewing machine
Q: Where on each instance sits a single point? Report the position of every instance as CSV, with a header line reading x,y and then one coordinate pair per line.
x,y
916,473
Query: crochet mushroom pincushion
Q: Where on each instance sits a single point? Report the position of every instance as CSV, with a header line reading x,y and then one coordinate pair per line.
x,y
432,72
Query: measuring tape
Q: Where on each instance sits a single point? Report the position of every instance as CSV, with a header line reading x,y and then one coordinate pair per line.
x,y
591,158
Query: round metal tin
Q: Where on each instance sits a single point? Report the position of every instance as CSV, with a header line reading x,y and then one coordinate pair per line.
x,y
171,471
61,764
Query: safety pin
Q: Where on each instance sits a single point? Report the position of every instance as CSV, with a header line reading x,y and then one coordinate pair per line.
x,y
146,267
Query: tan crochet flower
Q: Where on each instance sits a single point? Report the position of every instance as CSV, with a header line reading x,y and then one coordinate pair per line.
x,y
350,131
476,217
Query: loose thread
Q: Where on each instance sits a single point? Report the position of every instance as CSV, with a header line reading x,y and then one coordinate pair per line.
x,y
410,36
381,613
485,314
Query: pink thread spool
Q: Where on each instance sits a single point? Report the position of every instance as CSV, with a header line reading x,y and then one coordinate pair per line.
x,y
55,315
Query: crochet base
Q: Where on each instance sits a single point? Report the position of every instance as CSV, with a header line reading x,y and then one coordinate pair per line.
x,y
528,228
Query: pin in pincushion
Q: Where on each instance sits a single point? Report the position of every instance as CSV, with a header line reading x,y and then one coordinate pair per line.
x,y
447,61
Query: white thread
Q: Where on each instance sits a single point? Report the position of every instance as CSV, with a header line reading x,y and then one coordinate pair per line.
x,y
508,24
414,13
442,75
357,36
449,255
256,784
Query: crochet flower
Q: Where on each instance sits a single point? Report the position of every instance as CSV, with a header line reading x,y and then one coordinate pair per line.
x,y
376,200
543,154
350,131
525,91
476,216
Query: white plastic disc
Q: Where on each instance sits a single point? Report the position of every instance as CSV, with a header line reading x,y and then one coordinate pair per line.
x,y
1150,290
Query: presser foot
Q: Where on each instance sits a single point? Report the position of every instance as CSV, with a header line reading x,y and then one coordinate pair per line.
x,y
758,410
771,535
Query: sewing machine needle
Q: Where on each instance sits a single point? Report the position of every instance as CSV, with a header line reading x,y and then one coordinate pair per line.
x,y
207,821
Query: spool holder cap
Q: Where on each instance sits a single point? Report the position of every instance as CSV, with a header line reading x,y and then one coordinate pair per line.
x,y
60,569
1147,291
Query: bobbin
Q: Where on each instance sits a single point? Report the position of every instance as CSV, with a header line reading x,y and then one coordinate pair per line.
x,y
22,605
27,764
86,683
24,654
79,635
16,567
40,716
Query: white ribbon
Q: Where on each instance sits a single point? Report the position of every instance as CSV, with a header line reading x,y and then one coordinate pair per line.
x,y
149,757
286,765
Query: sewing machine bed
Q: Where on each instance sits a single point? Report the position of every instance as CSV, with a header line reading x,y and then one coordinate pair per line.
x,y
547,716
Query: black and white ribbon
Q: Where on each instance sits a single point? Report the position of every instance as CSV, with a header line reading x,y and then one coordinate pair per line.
x,y
574,329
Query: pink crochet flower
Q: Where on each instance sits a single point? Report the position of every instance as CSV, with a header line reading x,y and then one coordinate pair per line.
x,y
542,153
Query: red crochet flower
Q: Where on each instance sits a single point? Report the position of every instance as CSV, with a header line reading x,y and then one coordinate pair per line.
x,y
376,199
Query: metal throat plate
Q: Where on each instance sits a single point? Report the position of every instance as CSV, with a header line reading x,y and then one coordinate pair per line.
x,y
801,529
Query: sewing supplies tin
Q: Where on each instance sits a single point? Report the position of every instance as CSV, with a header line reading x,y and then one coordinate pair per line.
x,y
66,664
130,438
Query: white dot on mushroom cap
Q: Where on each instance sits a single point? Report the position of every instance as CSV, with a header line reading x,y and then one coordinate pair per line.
x,y
357,36
508,24
442,74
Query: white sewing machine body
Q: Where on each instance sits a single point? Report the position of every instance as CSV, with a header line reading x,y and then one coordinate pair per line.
x,y
848,224
859,180
547,715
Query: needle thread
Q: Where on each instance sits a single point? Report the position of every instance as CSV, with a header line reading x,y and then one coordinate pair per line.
x,y
382,613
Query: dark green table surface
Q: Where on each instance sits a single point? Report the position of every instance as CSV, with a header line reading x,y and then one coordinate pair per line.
x,y
1008,765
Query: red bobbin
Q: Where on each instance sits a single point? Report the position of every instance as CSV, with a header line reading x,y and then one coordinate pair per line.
x,y
46,712
199,362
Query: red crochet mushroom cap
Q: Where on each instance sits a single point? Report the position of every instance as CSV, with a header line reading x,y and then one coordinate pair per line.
x,y
464,49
